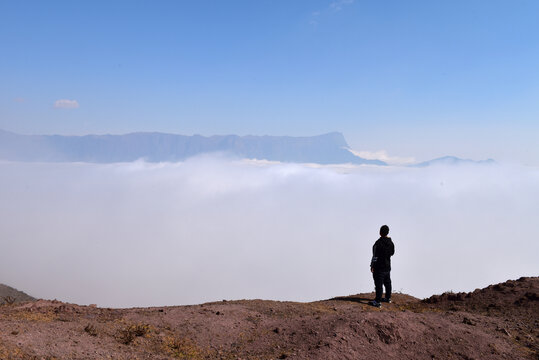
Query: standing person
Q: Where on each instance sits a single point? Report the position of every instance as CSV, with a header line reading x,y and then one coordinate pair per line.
x,y
382,251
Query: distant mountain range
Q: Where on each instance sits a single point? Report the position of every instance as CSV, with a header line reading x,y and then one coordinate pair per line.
x,y
452,160
156,147
329,148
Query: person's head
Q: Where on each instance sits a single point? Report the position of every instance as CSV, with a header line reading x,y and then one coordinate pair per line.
x,y
384,230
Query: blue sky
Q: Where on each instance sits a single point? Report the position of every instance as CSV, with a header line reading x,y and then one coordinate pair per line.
x,y
416,79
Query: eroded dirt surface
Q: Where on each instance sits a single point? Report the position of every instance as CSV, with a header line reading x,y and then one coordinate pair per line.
x,y
498,322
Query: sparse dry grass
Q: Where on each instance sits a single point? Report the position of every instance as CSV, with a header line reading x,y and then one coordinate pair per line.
x,y
12,353
184,348
130,332
8,300
41,316
90,330
321,307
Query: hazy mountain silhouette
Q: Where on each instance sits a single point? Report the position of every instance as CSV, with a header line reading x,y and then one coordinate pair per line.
x,y
329,148
452,160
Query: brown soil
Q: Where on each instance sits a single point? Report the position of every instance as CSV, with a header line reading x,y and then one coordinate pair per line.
x,y
498,322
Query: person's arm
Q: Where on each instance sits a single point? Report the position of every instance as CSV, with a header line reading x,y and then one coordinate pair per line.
x,y
391,248
374,258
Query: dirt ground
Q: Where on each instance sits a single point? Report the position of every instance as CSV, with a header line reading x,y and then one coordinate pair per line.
x,y
498,322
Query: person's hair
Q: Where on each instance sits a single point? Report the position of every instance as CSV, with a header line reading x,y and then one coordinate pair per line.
x,y
384,230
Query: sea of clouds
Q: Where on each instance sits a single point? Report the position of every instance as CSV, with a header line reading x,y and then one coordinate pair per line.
x,y
212,228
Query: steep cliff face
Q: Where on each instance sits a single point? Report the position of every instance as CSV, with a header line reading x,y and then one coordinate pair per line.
x,y
155,147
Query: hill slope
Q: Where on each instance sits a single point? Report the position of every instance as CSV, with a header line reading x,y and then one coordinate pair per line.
x,y
8,294
498,322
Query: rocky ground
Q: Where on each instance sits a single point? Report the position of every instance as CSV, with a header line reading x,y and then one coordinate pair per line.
x,y
498,322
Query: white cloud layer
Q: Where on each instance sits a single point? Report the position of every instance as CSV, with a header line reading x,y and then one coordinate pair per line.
x,y
140,234
383,156
66,104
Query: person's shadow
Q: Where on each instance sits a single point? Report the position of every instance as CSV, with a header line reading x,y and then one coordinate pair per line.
x,y
356,299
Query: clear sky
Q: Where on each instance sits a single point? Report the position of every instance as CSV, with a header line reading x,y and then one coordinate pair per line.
x,y
415,78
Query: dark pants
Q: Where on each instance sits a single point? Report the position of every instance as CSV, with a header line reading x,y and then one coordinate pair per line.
x,y
382,278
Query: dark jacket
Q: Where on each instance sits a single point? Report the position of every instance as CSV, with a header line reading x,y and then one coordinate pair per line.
x,y
382,251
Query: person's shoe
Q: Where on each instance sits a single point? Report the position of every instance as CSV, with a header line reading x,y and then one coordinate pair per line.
x,y
386,300
375,303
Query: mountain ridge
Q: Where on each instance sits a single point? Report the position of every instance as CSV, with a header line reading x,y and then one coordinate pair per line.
x,y
330,148
453,160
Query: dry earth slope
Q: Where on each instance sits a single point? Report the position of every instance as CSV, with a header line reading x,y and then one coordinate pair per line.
x,y
498,322
10,295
